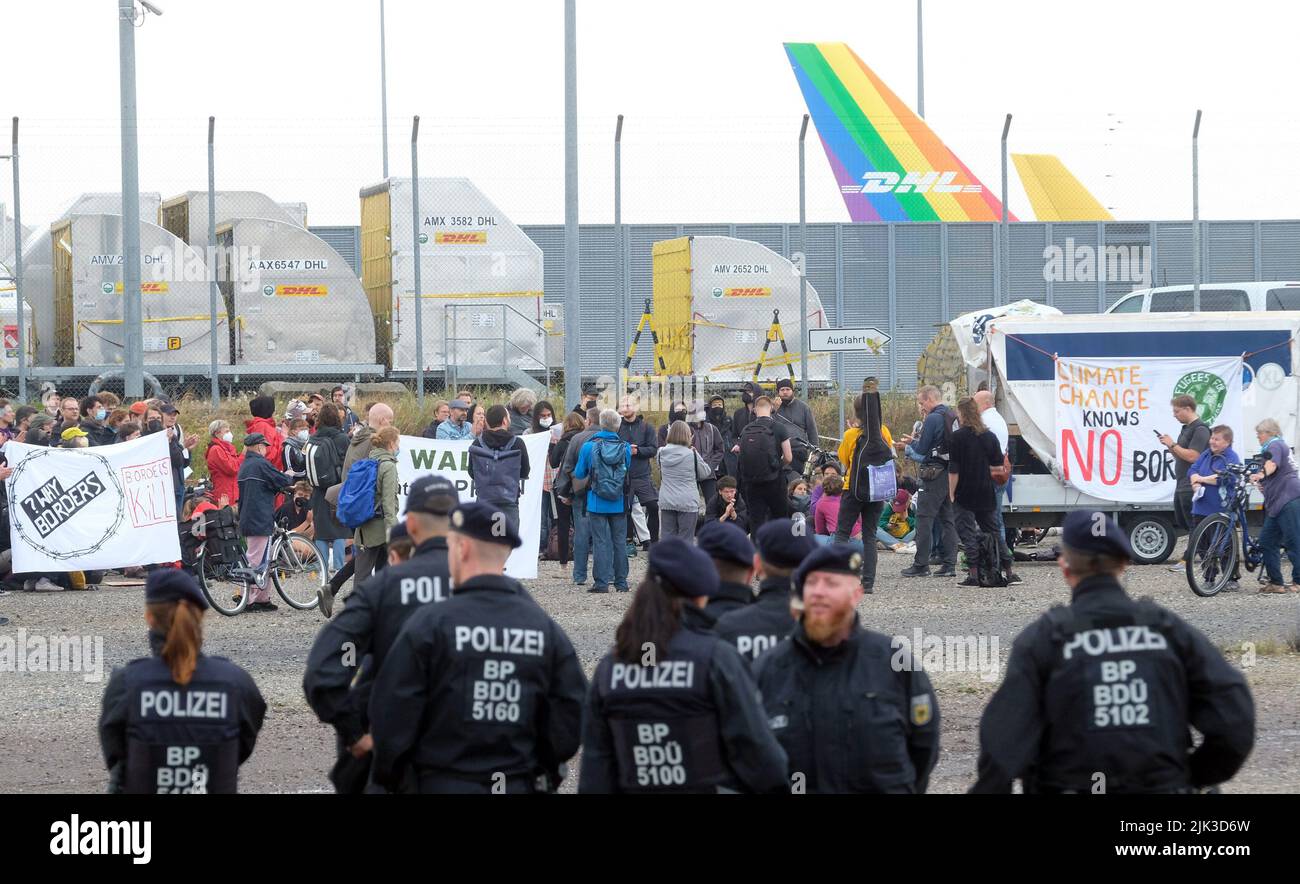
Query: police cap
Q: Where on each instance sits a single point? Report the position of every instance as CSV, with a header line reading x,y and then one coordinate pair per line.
x,y
173,585
484,522
684,567
780,544
432,494
1092,531
839,558
723,540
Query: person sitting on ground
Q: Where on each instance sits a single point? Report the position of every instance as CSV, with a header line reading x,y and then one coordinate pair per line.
x,y
728,506
457,426
829,469
828,513
798,497
897,523
295,513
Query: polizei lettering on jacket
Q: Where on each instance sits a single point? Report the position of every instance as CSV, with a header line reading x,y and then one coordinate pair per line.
x,y
501,640
183,704
752,646
1116,640
668,674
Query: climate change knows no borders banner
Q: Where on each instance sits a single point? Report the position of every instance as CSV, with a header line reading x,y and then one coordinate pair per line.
x,y
1110,411
79,509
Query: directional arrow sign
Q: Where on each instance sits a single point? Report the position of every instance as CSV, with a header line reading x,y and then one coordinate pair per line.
x,y
846,340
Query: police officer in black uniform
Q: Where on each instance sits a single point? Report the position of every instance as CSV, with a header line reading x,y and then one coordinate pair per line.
x,y
178,721
734,560
483,692
369,625
1099,696
753,629
672,707
850,711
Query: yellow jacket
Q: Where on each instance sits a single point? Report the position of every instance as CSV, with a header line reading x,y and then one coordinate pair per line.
x,y
850,442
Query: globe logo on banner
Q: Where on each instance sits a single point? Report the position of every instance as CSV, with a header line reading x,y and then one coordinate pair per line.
x,y
1209,391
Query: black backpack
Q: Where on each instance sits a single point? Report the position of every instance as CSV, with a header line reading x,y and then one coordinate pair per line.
x,y
944,447
323,466
988,570
758,460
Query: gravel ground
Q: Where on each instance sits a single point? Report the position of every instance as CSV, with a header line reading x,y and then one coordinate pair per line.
x,y
48,729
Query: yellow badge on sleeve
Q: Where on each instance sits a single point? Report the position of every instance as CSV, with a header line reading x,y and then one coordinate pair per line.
x,y
921,711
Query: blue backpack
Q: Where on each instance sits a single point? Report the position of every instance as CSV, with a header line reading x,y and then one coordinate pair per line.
x,y
608,468
357,503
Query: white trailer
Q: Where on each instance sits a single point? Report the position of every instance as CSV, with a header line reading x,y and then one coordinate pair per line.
x,y
1020,353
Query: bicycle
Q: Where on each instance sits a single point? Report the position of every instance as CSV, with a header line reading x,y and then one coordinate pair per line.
x,y
292,563
1213,550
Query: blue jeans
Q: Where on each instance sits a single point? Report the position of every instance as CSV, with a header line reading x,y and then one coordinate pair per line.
x,y
323,547
608,548
581,538
827,540
1279,531
889,540
999,494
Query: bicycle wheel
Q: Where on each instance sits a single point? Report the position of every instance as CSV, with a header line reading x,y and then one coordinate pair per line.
x,y
297,571
1212,555
224,593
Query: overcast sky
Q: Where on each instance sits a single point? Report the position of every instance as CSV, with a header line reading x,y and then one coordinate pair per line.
x,y
712,106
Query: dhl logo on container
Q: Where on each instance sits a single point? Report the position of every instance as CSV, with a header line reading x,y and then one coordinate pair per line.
x,y
147,288
447,237
301,291
748,292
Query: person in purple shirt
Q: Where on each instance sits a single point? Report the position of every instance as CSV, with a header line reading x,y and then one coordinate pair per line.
x,y
1281,488
1210,491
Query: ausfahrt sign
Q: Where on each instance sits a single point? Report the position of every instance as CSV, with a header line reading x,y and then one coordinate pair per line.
x,y
846,340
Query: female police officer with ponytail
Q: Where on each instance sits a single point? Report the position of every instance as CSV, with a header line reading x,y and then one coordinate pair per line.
x,y
672,707
178,721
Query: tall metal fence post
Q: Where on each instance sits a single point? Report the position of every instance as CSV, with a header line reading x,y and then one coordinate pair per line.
x,y
133,342
1196,219
1004,250
839,318
213,263
415,248
618,249
920,63
383,84
572,275
803,266
18,275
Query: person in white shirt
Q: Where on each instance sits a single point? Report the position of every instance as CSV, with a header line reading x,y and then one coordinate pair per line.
x,y
997,425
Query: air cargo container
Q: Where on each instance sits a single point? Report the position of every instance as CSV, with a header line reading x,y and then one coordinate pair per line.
x,y
297,302
9,327
79,318
186,215
481,281
715,301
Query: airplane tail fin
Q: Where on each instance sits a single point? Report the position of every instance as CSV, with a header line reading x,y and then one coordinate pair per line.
x,y
1054,192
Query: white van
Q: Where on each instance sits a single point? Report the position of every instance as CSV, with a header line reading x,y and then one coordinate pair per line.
x,y
1215,296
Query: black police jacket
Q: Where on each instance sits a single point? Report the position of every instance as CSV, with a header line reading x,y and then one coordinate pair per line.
x,y
729,597
369,625
1109,685
758,627
160,736
691,723
483,684
848,718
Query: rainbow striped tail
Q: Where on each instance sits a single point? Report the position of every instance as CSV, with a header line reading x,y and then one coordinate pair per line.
x,y
889,164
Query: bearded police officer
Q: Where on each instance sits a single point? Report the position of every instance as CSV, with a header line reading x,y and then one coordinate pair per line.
x,y
362,635
850,711
672,707
753,629
1099,696
483,692
734,560
178,721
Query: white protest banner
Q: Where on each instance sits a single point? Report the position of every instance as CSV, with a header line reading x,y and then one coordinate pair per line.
x,y
80,509
420,456
1109,413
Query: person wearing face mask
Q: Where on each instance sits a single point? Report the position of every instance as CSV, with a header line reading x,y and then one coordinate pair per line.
x,y
223,462
178,703
745,413
544,422
716,415
93,415
295,462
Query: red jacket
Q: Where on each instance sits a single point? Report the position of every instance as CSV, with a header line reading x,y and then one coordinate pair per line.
x,y
274,441
223,467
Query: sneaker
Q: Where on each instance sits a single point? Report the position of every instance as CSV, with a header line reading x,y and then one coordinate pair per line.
x,y
1178,568
936,561
906,549
867,590
29,585
621,589
262,606
631,549
599,589
46,585
1232,586
1014,579
946,571
325,597
916,571
969,581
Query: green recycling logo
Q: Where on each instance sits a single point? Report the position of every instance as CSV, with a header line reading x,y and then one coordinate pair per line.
x,y
1208,389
